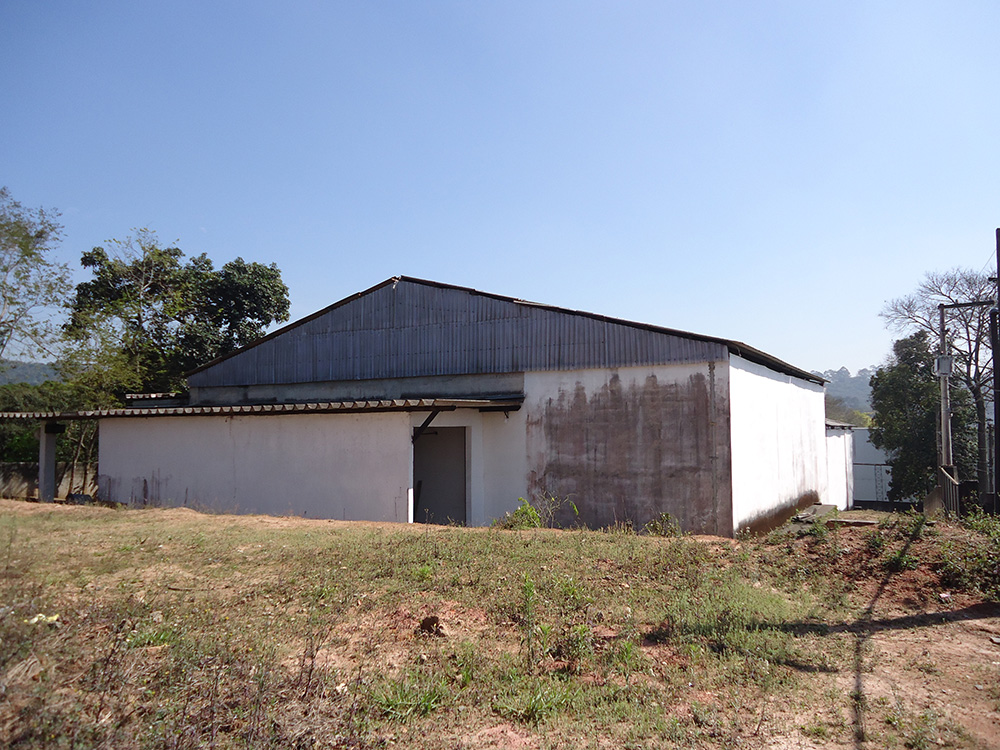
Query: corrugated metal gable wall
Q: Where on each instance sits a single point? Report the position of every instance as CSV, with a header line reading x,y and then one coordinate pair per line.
x,y
411,329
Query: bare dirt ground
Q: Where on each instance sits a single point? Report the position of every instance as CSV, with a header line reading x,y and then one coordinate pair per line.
x,y
919,649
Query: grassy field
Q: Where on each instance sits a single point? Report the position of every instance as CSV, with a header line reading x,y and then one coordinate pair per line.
x,y
173,629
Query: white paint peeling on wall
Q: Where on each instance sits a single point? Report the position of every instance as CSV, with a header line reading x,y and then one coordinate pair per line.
x,y
345,466
778,428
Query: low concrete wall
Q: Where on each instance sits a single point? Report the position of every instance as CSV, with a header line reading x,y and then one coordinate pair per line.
x,y
343,466
20,479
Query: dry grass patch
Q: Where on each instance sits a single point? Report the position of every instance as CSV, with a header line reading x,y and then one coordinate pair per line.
x,y
177,629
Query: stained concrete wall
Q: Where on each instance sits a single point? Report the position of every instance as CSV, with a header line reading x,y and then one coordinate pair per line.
x,y
840,468
630,443
778,444
345,466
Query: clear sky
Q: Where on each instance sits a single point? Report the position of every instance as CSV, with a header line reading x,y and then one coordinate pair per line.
x,y
767,171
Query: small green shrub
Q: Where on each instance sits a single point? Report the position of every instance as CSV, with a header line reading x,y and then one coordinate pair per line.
x,y
525,516
874,542
410,696
818,531
625,656
972,567
663,525
541,512
982,523
913,525
576,646
534,700
901,560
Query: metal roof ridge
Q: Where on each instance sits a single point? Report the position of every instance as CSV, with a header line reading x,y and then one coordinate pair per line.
x,y
734,346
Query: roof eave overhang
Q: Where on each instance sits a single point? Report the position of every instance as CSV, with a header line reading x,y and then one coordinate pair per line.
x,y
505,404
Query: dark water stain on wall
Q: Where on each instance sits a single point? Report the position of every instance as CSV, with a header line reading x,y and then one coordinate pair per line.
x,y
631,452
775,517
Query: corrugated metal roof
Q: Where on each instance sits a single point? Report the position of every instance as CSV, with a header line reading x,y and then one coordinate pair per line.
x,y
406,327
833,424
506,403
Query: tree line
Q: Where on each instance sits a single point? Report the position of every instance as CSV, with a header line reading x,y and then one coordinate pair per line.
x,y
906,391
146,315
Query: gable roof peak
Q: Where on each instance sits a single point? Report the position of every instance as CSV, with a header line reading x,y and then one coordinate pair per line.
x,y
735,347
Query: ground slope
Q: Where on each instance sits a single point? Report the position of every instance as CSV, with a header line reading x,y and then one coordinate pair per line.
x,y
170,628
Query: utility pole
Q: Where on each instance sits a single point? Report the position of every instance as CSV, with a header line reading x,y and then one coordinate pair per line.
x,y
994,346
942,369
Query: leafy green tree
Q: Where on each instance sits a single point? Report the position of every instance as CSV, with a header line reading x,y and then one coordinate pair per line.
x,y
905,403
148,316
32,285
18,441
76,450
968,338
839,411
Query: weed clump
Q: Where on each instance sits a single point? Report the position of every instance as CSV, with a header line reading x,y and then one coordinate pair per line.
x,y
973,562
663,525
542,512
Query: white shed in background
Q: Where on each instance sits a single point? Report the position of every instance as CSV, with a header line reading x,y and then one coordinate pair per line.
x,y
872,473
840,464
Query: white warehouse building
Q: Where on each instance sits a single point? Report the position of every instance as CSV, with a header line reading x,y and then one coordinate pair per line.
x,y
422,401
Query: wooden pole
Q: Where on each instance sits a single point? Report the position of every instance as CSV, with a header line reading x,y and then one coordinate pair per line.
x,y
946,453
995,346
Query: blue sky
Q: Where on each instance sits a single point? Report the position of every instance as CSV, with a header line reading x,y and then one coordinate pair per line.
x,y
766,171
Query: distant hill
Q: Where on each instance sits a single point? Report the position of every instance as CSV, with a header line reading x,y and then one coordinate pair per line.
x,y
852,390
34,373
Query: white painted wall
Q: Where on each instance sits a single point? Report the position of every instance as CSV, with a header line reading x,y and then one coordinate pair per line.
x,y
840,468
344,466
778,438
505,464
495,459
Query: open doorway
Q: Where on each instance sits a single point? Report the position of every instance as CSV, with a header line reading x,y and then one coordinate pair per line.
x,y
439,476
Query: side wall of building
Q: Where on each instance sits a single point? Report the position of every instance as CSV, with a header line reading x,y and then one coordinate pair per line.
x,y
344,466
778,444
626,444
